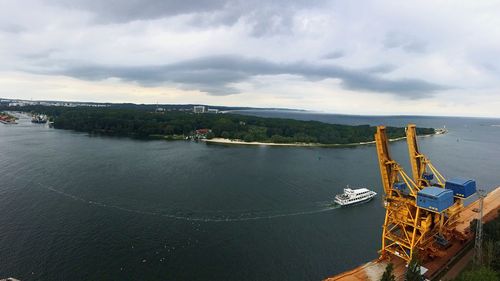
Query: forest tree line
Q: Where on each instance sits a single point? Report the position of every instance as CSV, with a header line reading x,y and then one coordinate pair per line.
x,y
143,124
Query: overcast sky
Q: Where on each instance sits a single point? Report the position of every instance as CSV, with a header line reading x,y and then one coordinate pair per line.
x,y
353,57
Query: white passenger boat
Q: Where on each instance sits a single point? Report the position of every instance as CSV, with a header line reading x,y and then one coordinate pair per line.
x,y
354,196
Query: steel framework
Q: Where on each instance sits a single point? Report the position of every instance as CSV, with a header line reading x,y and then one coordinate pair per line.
x,y
478,243
408,228
423,173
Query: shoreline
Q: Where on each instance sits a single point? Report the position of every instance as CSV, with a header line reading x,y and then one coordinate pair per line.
x,y
8,119
223,141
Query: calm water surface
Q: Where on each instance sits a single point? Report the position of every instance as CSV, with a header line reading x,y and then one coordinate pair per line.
x,y
76,207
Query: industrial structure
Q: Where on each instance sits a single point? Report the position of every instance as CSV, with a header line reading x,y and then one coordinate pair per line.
x,y
425,215
478,243
422,210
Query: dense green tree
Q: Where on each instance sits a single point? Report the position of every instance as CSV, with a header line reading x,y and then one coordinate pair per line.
x,y
479,274
139,122
491,245
491,253
488,253
388,273
495,262
413,271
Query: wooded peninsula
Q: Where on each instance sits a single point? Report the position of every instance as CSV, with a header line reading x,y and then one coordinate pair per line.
x,y
141,123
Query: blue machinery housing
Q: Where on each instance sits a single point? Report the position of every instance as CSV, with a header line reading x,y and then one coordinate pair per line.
x,y
435,199
401,186
462,188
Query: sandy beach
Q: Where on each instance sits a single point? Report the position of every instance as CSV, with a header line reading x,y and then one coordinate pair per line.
x,y
240,142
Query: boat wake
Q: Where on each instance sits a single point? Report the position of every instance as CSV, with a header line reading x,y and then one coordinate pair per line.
x,y
222,216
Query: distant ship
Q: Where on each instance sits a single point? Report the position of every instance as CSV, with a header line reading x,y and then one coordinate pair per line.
x,y
39,118
354,196
440,131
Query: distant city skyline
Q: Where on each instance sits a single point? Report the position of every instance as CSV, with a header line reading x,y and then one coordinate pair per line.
x,y
346,57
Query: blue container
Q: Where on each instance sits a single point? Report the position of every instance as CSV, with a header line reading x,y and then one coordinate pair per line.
x,y
462,188
401,186
435,199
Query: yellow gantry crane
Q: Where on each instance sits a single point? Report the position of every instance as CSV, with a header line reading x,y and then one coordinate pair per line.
x,y
425,174
402,228
420,212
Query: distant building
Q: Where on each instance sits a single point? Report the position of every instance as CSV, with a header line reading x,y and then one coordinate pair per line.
x,y
213,110
160,109
203,131
199,109
17,104
201,134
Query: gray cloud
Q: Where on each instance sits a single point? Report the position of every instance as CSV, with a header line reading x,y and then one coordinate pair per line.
x,y
334,55
215,74
381,68
129,10
386,52
263,17
12,28
408,44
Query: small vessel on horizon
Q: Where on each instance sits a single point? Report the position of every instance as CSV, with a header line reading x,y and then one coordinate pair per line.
x,y
440,131
354,196
39,118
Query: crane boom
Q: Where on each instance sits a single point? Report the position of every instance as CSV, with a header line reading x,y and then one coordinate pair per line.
x,y
386,169
403,229
416,158
420,163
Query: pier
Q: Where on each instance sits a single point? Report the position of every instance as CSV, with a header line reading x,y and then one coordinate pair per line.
x,y
454,256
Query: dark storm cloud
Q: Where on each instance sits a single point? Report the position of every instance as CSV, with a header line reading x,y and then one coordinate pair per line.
x,y
215,74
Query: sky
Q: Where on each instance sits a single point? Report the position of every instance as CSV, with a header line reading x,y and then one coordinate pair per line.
x,y
350,57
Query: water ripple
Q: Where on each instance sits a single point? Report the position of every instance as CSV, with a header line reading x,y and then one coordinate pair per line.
x,y
319,207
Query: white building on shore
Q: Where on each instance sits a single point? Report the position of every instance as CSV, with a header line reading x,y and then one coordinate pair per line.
x,y
199,109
